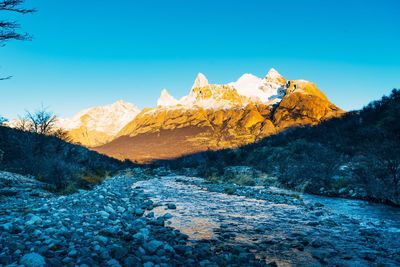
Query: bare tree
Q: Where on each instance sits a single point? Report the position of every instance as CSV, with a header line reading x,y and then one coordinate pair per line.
x,y
8,28
62,134
22,124
41,121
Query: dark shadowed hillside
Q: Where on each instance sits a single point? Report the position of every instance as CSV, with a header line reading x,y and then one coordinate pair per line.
x,y
58,163
357,155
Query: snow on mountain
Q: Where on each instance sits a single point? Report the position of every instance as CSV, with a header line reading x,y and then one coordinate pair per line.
x,y
267,90
166,100
109,119
248,88
200,81
274,76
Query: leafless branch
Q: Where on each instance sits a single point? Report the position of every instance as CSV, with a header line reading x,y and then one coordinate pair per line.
x,y
14,6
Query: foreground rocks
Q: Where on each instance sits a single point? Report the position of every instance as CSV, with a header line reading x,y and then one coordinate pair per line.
x,y
111,225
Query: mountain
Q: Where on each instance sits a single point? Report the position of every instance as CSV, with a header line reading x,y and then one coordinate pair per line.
x,y
356,155
215,116
98,125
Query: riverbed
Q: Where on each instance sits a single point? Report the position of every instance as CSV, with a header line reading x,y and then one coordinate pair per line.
x,y
311,231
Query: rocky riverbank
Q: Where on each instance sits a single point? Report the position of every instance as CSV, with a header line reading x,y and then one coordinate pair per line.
x,y
281,226
147,218
111,225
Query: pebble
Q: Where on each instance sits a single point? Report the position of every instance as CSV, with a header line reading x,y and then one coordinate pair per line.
x,y
108,229
171,206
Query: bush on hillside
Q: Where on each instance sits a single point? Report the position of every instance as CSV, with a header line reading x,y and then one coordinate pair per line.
x,y
59,164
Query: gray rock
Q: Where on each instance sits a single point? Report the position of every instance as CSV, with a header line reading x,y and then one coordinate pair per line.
x,y
33,219
148,264
131,262
121,209
153,245
113,263
261,228
104,214
118,252
167,216
139,212
102,239
143,234
171,206
168,248
33,260
319,213
109,209
342,190
6,226
73,253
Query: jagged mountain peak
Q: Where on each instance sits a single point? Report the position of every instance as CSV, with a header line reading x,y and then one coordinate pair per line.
x,y
166,100
97,125
248,77
120,105
200,81
275,77
268,90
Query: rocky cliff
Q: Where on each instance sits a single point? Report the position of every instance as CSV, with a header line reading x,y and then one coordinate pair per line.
x,y
216,116
99,125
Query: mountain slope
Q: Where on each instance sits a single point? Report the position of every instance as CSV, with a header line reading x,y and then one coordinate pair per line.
x,y
216,116
98,125
63,166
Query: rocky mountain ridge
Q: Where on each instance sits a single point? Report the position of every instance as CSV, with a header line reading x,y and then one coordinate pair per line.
x,y
210,117
214,116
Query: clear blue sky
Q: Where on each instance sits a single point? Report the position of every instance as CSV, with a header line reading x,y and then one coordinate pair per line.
x,y
86,53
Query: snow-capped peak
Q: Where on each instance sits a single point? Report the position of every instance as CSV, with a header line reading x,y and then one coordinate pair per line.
x,y
121,105
275,77
200,81
108,119
267,90
166,100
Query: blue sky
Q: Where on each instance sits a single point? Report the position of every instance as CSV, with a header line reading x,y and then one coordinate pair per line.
x,y
87,53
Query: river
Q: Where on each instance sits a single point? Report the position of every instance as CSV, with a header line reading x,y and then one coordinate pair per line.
x,y
312,231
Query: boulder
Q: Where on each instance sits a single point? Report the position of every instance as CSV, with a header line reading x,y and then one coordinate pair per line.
x,y
33,260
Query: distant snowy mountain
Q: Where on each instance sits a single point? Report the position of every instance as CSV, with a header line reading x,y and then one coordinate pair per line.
x,y
248,89
270,89
98,125
216,116
166,100
210,116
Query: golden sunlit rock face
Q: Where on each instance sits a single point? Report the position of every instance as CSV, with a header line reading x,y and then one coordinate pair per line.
x,y
99,125
215,117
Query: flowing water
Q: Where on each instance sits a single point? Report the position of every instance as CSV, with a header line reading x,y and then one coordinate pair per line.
x,y
293,232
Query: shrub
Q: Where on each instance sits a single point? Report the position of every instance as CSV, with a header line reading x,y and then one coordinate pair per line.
x,y
59,164
1,155
229,190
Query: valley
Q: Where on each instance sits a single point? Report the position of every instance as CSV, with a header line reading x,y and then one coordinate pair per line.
x,y
199,133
